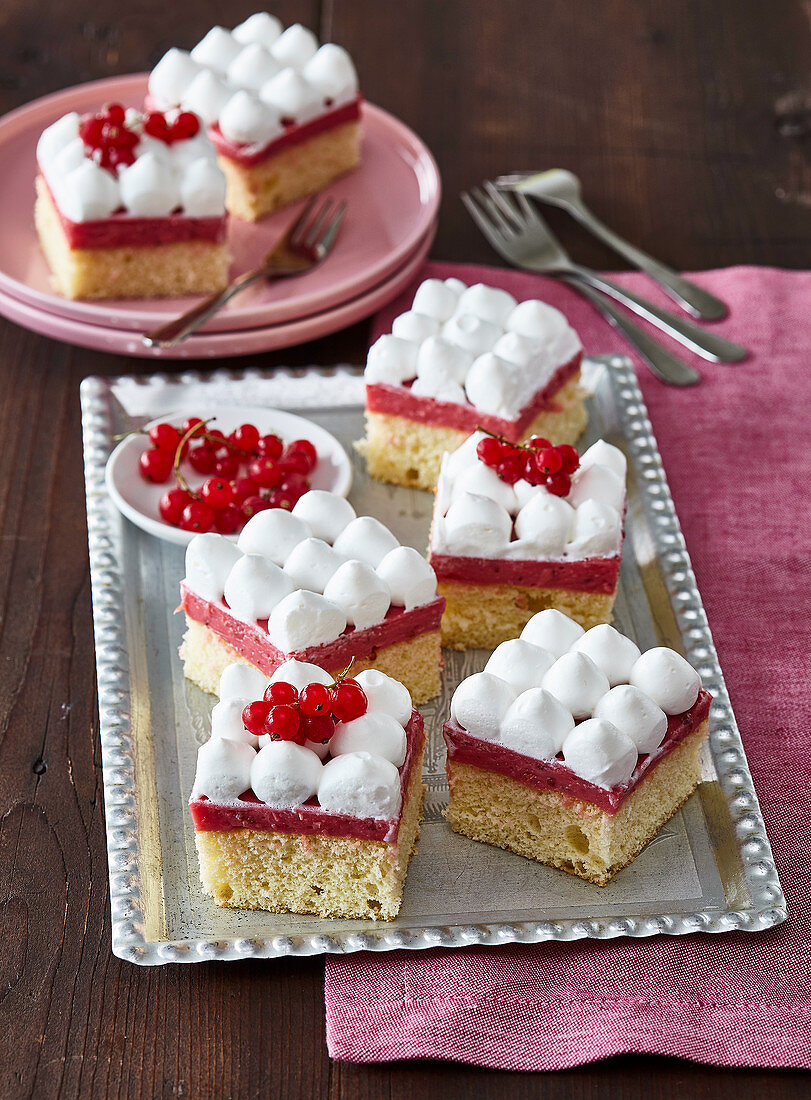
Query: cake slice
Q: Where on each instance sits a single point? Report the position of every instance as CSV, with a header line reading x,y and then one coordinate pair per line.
x,y
283,112
309,799
573,748
464,358
131,205
517,529
318,584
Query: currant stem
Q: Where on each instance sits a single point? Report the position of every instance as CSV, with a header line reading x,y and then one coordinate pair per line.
x,y
193,430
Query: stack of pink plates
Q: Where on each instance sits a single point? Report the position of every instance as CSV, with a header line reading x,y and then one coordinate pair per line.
x,y
392,202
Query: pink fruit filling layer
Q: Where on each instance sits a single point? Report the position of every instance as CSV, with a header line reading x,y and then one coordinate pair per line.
x,y
294,134
310,819
589,575
252,642
400,401
553,775
122,230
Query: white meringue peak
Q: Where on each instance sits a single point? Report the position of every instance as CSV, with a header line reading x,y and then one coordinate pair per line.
x,y
600,753
520,663
326,514
480,702
384,693
360,784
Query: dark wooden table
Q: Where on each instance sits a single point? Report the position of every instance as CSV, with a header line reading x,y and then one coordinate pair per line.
x,y
689,125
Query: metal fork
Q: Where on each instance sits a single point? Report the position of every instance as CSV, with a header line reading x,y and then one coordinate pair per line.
x,y
518,233
562,188
306,243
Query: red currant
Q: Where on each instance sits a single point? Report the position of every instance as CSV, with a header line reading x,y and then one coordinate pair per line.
x,y
246,438
511,468
156,466
164,437
254,717
266,472
569,457
306,448
90,129
115,113
348,700
193,422
489,450
217,493
559,484
295,485
534,474
229,519
295,462
318,727
315,700
538,443
281,499
172,504
185,126
156,126
226,465
281,692
549,460
112,157
251,505
197,517
242,488
269,446
283,723
202,458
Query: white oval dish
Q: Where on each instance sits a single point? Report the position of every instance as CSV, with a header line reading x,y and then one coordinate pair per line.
x,y
138,499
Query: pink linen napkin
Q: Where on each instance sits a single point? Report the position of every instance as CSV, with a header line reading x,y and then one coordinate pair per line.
x,y
738,458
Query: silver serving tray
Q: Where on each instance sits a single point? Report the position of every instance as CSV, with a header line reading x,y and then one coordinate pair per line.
x,y
710,868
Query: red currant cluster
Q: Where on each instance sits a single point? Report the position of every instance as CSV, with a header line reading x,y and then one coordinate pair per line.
x,y
112,143
311,714
185,125
536,460
109,141
275,476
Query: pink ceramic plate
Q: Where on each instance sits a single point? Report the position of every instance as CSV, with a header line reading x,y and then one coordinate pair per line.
x,y
392,201
218,345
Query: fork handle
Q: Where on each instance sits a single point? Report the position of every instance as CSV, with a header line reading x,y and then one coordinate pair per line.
x,y
173,332
706,344
695,299
666,367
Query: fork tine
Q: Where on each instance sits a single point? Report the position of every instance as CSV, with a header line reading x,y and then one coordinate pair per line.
x,y
484,200
331,231
315,229
483,222
295,230
527,207
502,202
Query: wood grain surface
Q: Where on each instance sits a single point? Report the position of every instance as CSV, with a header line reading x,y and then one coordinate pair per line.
x,y
688,122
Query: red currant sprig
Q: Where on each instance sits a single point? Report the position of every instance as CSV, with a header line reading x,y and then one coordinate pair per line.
x,y
536,460
286,714
110,142
245,473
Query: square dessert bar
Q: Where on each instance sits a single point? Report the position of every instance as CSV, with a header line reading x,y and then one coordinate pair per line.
x,y
573,748
318,584
294,825
131,205
464,358
283,113
504,547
